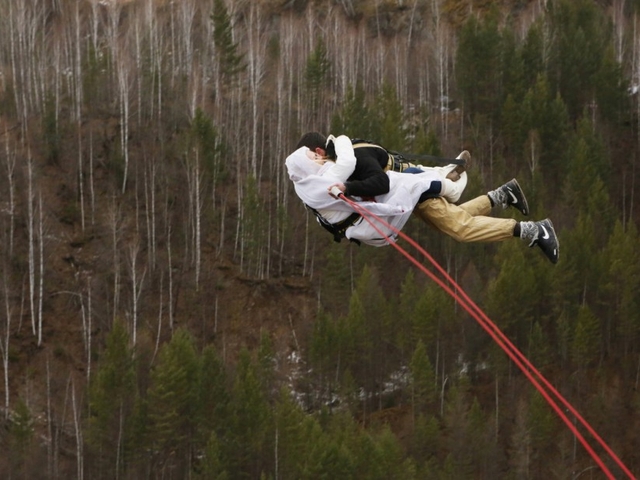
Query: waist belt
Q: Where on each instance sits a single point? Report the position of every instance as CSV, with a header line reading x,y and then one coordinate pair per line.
x,y
337,229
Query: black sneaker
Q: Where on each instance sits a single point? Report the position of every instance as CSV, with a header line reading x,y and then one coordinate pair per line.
x,y
547,240
515,196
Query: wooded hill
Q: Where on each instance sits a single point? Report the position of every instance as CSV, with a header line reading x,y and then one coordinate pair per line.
x,y
170,310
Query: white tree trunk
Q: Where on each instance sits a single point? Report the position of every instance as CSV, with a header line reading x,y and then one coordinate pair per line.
x,y
11,165
31,246
41,264
78,435
4,348
136,284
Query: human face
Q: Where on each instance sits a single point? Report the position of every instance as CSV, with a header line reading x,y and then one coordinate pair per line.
x,y
318,156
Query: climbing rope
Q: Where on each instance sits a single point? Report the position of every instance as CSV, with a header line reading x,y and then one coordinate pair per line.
x,y
499,337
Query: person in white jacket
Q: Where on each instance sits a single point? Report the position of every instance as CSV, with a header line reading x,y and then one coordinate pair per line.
x,y
428,193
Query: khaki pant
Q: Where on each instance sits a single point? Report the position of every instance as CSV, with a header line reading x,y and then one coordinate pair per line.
x,y
467,222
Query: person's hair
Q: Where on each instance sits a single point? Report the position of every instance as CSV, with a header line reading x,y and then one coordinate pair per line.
x,y
312,140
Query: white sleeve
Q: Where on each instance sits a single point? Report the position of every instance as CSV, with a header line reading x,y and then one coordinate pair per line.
x,y
345,159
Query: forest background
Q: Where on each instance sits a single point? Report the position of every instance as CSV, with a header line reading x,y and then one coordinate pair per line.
x,y
171,310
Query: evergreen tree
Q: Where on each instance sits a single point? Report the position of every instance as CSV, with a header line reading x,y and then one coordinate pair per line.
x,y
584,190
513,296
112,395
212,465
390,130
425,441
482,434
532,53
336,282
478,66
333,461
317,73
355,348
230,61
324,354
458,442
512,64
433,319
426,141
379,456
577,277
513,129
546,115
380,327
211,149
622,284
266,364
172,403
520,443
539,350
213,399
580,35
587,338
354,117
423,384
409,295
332,454
366,332
541,421
250,421
299,436
611,89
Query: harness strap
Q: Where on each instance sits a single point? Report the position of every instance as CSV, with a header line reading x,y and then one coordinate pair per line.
x,y
337,229
394,163
429,158
396,159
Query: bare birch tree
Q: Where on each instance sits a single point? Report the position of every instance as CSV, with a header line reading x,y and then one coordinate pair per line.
x,y
11,166
123,100
78,434
50,436
150,174
86,316
4,345
115,223
136,287
31,242
170,272
41,236
256,71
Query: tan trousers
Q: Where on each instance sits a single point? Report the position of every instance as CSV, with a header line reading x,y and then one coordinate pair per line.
x,y
467,222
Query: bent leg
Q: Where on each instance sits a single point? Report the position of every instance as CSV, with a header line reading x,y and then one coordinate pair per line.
x,y
461,225
478,206
451,190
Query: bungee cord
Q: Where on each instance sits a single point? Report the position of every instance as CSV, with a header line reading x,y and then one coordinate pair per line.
x,y
499,337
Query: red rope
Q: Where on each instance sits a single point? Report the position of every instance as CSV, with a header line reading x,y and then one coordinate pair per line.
x,y
500,338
